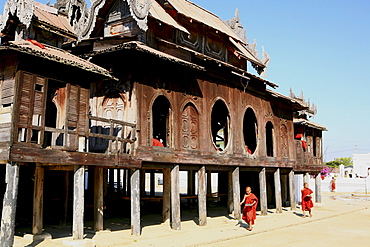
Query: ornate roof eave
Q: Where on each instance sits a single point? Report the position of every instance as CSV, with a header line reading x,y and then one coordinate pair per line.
x,y
22,8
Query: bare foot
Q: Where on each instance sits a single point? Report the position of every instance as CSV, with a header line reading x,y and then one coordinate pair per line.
x,y
249,229
310,215
304,216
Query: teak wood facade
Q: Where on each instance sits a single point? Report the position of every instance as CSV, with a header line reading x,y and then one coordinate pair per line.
x,y
90,105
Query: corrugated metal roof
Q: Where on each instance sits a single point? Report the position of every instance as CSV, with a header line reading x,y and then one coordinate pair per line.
x,y
55,54
157,12
309,123
199,14
50,16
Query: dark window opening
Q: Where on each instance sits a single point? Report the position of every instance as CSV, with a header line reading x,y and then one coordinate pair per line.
x,y
161,122
250,131
220,125
39,87
269,139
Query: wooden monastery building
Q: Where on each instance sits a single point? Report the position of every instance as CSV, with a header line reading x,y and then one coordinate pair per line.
x,y
96,101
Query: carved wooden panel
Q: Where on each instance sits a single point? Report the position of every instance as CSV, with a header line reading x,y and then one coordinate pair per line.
x,y
214,46
318,146
284,141
190,128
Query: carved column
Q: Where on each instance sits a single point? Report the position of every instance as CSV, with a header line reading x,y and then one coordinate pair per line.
x,y
236,193
175,199
202,196
78,203
135,202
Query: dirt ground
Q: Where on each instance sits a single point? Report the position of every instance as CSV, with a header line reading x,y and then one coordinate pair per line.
x,y
342,219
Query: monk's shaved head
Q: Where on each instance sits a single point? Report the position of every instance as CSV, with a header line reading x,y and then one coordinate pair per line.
x,y
248,189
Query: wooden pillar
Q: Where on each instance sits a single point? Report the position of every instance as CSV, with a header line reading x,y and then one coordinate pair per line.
x,y
118,178
293,202
202,196
222,187
318,188
111,181
191,186
263,191
98,199
279,206
63,220
166,207
38,200
78,203
175,199
152,183
105,181
209,183
124,183
135,202
236,193
9,205
230,194
142,182
306,178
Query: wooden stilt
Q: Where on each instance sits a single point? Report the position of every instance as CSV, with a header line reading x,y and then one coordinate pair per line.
x,y
236,193
142,182
175,199
105,181
293,202
9,205
98,199
63,220
230,194
191,185
306,178
152,183
209,182
124,183
78,203
222,187
38,200
166,208
118,178
111,181
129,174
135,202
263,191
202,196
318,188
279,205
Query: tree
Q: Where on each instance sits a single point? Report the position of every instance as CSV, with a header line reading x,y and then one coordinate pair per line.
x,y
338,161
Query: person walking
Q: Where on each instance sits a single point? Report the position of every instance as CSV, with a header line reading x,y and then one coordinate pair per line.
x,y
250,204
307,203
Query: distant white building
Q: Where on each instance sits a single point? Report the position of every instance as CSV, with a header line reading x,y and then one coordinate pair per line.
x,y
361,164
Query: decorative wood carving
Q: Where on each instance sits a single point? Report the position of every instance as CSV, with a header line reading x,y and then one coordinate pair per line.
x,y
139,10
190,129
23,9
284,141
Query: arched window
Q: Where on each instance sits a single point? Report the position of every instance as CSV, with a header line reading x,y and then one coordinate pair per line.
x,y
161,122
220,125
250,131
269,139
190,129
284,141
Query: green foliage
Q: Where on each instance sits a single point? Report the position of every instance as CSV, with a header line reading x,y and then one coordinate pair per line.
x,y
336,162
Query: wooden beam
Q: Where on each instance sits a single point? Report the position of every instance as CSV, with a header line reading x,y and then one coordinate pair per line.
x,y
318,188
78,203
293,202
98,199
38,200
202,196
175,199
135,202
263,191
236,193
166,207
279,205
230,194
9,205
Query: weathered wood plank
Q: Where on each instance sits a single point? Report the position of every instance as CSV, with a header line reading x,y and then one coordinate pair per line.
x,y
135,202
50,156
236,193
318,188
202,196
230,194
166,208
38,200
278,200
78,203
9,205
293,202
98,199
263,191
175,199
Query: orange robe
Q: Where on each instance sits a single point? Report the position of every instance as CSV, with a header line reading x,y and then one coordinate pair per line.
x,y
249,212
307,203
157,143
332,186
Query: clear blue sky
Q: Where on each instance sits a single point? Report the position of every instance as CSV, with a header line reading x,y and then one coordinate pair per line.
x,y
320,47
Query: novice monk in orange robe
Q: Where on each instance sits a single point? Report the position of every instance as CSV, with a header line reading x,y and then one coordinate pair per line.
x,y
307,203
249,211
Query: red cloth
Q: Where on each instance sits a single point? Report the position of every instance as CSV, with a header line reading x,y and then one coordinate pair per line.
x,y
249,212
307,203
304,145
298,136
332,186
157,143
249,151
35,42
